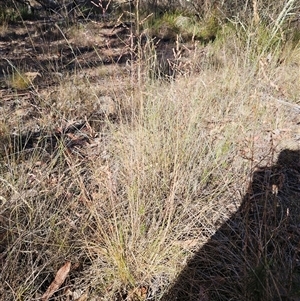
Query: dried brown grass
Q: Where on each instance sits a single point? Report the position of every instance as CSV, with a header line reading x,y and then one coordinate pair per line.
x,y
160,175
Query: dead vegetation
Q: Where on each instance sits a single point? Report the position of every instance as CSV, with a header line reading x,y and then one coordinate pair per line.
x,y
150,167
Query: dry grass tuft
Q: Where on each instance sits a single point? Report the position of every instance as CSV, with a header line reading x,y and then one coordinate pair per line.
x,y
20,81
128,178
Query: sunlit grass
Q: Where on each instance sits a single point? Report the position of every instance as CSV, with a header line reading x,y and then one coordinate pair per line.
x,y
164,163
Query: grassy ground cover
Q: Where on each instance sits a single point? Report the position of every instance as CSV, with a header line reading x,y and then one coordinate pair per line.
x,y
126,171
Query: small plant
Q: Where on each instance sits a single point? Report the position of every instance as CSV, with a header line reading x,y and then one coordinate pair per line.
x,y
25,13
21,80
209,28
163,27
13,13
171,24
7,15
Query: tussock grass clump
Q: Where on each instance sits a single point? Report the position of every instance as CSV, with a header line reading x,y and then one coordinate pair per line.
x,y
19,81
145,188
171,24
129,214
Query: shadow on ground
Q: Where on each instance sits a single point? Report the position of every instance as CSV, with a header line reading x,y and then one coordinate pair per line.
x,y
255,255
45,47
